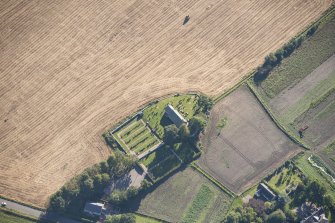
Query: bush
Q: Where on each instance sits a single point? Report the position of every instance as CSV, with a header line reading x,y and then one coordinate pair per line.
x,y
276,217
121,218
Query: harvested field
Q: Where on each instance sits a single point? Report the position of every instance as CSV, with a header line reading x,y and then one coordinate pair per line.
x,y
71,69
248,147
173,199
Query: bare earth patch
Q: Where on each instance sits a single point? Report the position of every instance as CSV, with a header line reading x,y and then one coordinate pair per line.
x,y
71,69
248,147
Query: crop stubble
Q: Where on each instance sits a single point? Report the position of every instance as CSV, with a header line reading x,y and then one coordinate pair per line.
x,y
70,69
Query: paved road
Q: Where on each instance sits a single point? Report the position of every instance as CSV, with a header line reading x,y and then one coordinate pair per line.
x,y
36,213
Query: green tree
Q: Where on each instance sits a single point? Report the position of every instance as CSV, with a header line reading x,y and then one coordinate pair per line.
x,y
104,167
197,124
87,187
205,103
121,218
120,164
277,216
57,203
184,132
329,203
170,134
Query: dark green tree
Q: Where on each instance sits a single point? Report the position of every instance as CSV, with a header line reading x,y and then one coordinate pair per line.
x,y
57,203
205,103
197,124
184,132
121,218
277,216
170,134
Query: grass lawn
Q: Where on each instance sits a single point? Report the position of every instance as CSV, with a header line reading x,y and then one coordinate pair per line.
x,y
143,219
135,136
314,174
185,104
312,53
185,151
199,205
173,199
286,178
8,217
165,167
157,156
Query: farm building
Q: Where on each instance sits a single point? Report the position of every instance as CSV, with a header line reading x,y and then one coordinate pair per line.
x,y
265,192
94,208
174,116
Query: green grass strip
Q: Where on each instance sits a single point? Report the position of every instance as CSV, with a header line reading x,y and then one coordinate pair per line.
x,y
198,205
311,99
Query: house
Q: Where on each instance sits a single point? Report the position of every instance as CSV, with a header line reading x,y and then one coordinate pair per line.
x,y
94,208
265,192
310,213
174,116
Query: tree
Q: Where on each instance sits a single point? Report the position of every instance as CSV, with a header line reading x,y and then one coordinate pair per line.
x,y
104,167
120,218
170,134
205,103
329,203
184,132
233,217
87,187
315,192
57,203
277,216
119,164
197,124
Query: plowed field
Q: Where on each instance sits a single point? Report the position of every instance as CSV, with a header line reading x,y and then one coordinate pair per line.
x,y
69,69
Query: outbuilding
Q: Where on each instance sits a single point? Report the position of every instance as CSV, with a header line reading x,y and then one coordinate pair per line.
x,y
174,116
94,208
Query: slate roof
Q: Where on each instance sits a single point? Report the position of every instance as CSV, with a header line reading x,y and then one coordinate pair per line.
x,y
265,191
95,208
174,116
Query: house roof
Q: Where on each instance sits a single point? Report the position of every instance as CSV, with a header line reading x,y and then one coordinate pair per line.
x,y
266,192
174,116
93,207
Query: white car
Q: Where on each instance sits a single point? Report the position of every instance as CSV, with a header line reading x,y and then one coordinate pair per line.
x,y
3,204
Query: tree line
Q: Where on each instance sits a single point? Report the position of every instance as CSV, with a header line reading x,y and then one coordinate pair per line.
x,y
274,59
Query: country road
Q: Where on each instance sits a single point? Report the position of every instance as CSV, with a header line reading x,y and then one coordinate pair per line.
x,y
36,213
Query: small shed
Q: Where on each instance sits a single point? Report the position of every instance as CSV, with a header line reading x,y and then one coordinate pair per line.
x,y
94,208
174,116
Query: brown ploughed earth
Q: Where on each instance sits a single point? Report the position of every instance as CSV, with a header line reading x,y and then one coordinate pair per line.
x,y
248,147
70,69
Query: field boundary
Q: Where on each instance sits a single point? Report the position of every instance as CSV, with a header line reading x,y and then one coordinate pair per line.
x,y
24,216
232,89
149,216
213,180
22,203
244,79
267,109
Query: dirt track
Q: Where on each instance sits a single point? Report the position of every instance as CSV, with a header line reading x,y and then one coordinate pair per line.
x,y
70,69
